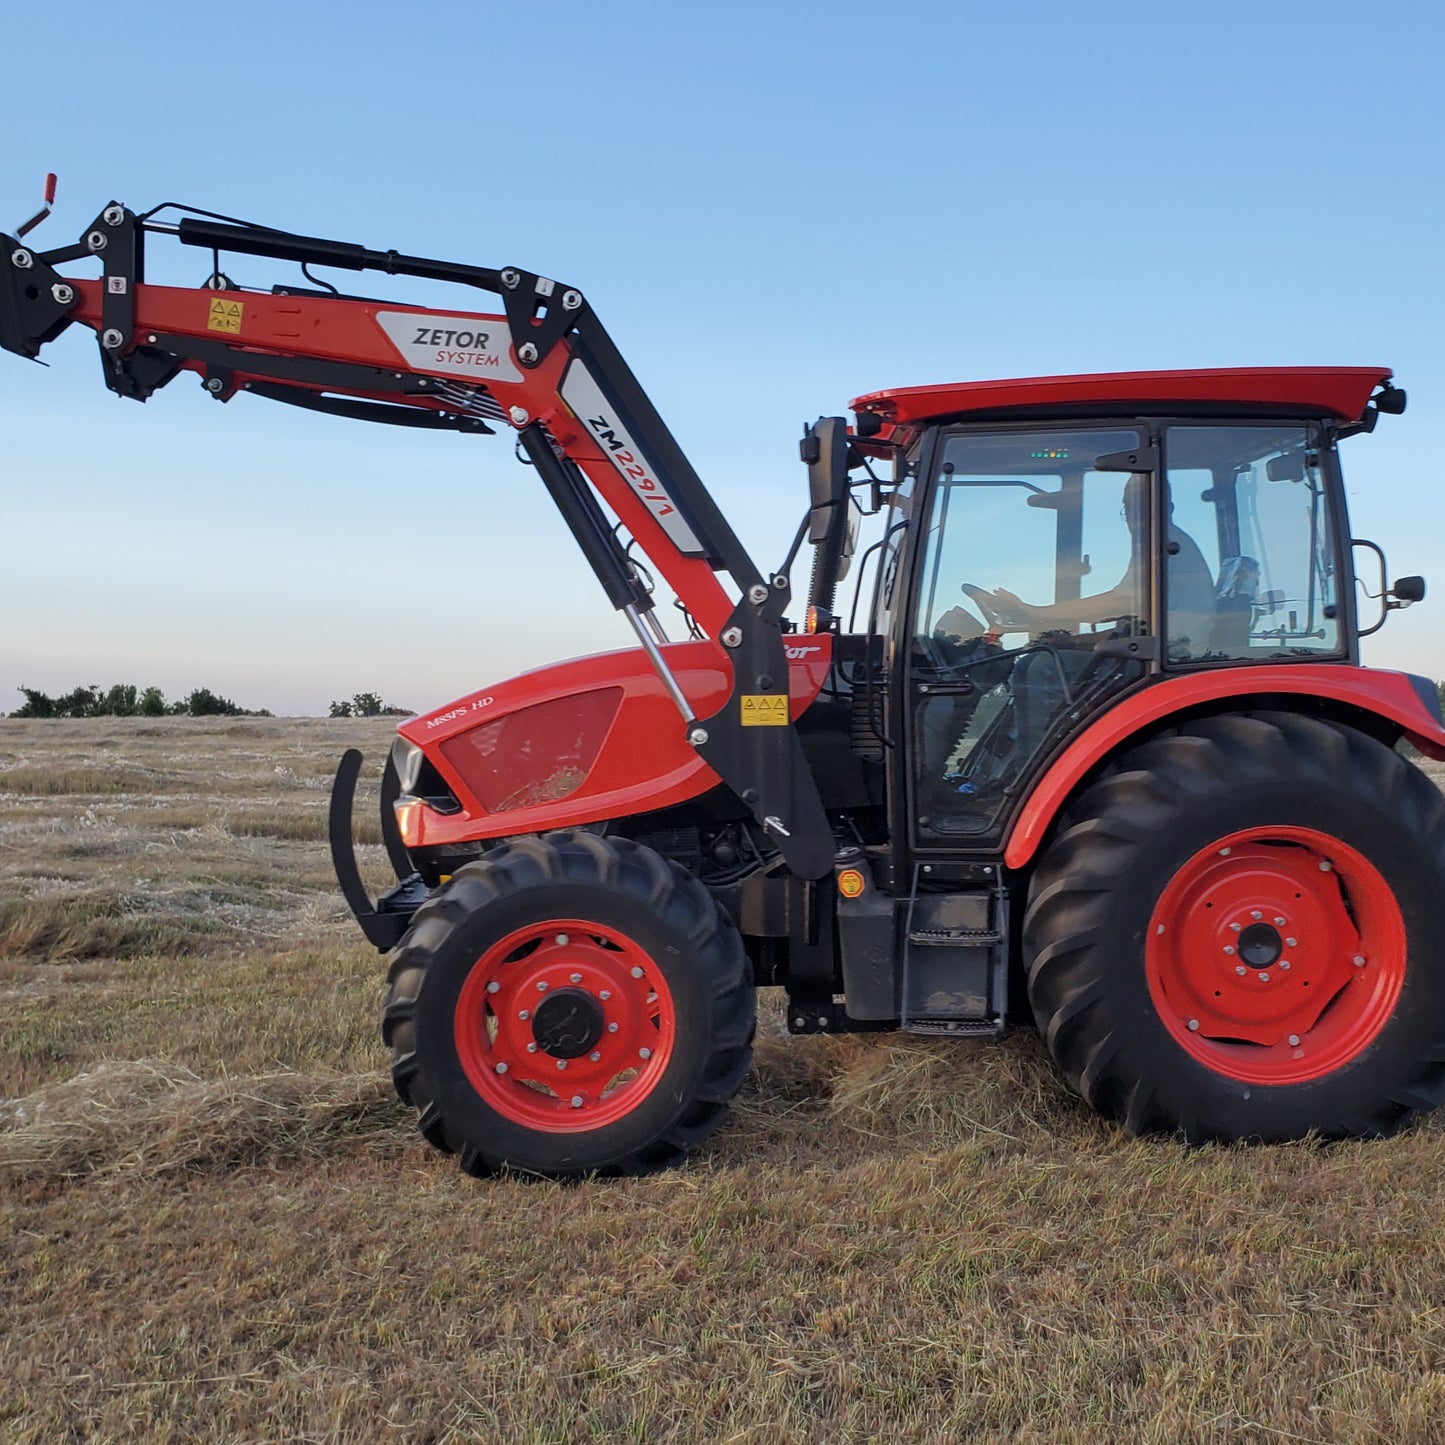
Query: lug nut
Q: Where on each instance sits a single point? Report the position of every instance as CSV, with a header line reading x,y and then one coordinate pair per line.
x,y
636,972
575,977
1325,866
494,987
1235,927
1193,1026
1279,923
1284,964
542,985
1256,915
1225,852
527,353
571,300
1240,969
1358,960
1229,949
531,1048
1291,943
596,1058
576,1101
561,1063
526,1013
562,940
1264,978
605,994
644,1053
1294,1041
63,295
611,1028
501,1068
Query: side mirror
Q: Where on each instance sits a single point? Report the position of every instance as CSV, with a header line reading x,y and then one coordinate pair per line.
x,y
824,449
1407,590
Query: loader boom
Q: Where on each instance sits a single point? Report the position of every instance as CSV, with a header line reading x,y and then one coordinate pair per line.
x,y
545,367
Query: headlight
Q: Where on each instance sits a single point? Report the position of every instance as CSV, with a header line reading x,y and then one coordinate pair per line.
x,y
407,758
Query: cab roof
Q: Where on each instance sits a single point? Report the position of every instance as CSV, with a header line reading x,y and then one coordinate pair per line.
x,y
1337,391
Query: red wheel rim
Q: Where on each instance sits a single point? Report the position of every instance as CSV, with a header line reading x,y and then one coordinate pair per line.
x,y
1276,955
565,1025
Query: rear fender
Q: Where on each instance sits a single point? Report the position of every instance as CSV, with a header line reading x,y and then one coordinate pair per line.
x,y
1404,704
582,741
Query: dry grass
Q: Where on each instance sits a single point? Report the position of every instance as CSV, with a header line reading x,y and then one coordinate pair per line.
x,y
217,1223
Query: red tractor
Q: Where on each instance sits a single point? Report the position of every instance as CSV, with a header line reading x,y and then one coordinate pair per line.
x,y
1167,818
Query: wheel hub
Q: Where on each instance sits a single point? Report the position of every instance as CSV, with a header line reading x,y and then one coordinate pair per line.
x,y
566,1024
1260,945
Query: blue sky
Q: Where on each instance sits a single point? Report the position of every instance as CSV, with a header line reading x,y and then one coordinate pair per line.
x,y
773,208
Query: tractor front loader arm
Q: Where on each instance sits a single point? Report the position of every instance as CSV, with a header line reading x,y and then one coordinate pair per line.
x,y
545,367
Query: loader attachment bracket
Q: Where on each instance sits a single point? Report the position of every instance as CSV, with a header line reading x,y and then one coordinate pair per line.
x,y
35,301
741,742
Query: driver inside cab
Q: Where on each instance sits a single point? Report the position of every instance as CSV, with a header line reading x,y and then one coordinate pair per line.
x,y
1189,580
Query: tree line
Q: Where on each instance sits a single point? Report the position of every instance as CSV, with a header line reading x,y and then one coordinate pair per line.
x,y
125,699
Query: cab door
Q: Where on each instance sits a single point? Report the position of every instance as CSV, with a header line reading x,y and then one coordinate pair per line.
x,y
1030,608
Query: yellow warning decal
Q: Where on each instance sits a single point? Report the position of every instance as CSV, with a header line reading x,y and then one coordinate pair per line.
x,y
765,709
225,315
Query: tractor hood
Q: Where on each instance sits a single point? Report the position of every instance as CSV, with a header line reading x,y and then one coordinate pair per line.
x,y
580,741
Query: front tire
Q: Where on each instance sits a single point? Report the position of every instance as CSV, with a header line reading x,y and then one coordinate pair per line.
x,y
570,1005
1237,934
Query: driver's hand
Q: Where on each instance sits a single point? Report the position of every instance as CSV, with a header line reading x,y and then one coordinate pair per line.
x,y
1013,607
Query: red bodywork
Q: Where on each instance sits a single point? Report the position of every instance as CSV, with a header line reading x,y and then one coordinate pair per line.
x,y
1387,695
1339,391
600,738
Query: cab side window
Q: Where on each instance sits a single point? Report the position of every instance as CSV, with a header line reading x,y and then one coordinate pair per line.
x,y
1258,581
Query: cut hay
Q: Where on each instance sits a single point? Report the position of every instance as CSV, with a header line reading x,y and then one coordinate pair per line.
x,y
151,1117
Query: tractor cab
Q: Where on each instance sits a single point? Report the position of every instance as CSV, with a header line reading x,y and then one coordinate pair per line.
x,y
1035,568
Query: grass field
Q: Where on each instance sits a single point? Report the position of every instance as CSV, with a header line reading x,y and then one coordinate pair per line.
x,y
218,1224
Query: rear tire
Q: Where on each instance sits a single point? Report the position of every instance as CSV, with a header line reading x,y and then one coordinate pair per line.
x,y
1237,933
570,1005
